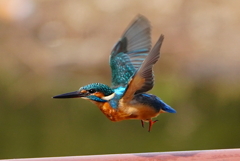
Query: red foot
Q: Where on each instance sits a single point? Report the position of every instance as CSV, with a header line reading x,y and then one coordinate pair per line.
x,y
151,122
142,123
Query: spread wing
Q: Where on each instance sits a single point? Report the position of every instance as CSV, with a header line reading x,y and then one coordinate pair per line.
x,y
143,79
130,51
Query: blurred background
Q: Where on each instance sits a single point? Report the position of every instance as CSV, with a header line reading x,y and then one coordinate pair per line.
x,y
50,47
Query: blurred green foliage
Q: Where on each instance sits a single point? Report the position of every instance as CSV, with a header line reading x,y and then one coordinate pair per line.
x,y
34,125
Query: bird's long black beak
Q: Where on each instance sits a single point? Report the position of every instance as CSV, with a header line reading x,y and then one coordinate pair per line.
x,y
74,94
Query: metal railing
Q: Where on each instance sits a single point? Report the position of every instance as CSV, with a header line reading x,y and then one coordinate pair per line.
x,y
201,155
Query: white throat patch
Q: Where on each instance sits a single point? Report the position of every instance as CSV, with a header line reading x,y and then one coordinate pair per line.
x,y
107,98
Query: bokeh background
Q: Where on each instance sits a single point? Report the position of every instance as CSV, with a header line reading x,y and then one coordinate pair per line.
x,y
49,47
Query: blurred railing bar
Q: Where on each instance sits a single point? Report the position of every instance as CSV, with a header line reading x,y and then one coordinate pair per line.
x,y
201,155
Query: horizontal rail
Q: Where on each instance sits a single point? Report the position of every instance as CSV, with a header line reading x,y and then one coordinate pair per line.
x,y
202,155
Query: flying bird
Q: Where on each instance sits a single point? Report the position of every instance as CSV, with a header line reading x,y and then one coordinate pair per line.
x,y
131,61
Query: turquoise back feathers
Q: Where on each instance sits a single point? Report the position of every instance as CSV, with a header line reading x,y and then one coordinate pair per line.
x,y
130,51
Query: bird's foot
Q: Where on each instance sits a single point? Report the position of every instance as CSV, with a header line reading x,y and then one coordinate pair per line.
x,y
151,122
142,123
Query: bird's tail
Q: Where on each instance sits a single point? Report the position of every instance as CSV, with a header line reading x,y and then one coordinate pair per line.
x,y
166,108
169,109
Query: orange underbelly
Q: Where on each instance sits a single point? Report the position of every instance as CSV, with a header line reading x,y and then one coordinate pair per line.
x,y
115,114
142,112
127,112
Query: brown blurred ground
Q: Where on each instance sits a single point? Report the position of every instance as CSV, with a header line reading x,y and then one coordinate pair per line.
x,y
201,36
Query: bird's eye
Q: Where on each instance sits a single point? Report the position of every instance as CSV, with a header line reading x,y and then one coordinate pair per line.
x,y
92,91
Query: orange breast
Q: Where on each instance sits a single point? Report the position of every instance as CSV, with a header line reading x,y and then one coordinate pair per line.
x,y
125,112
114,114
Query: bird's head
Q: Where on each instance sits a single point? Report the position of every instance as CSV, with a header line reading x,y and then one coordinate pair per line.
x,y
96,92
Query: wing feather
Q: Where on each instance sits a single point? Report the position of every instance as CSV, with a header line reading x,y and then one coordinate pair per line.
x,y
143,80
130,51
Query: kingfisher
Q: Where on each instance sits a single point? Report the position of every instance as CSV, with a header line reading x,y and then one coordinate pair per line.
x,y
131,61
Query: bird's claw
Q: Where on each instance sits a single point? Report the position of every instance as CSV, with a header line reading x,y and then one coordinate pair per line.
x,y
142,123
151,122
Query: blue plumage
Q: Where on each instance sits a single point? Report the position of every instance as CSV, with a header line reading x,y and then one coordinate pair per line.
x,y
130,51
131,63
153,101
118,95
